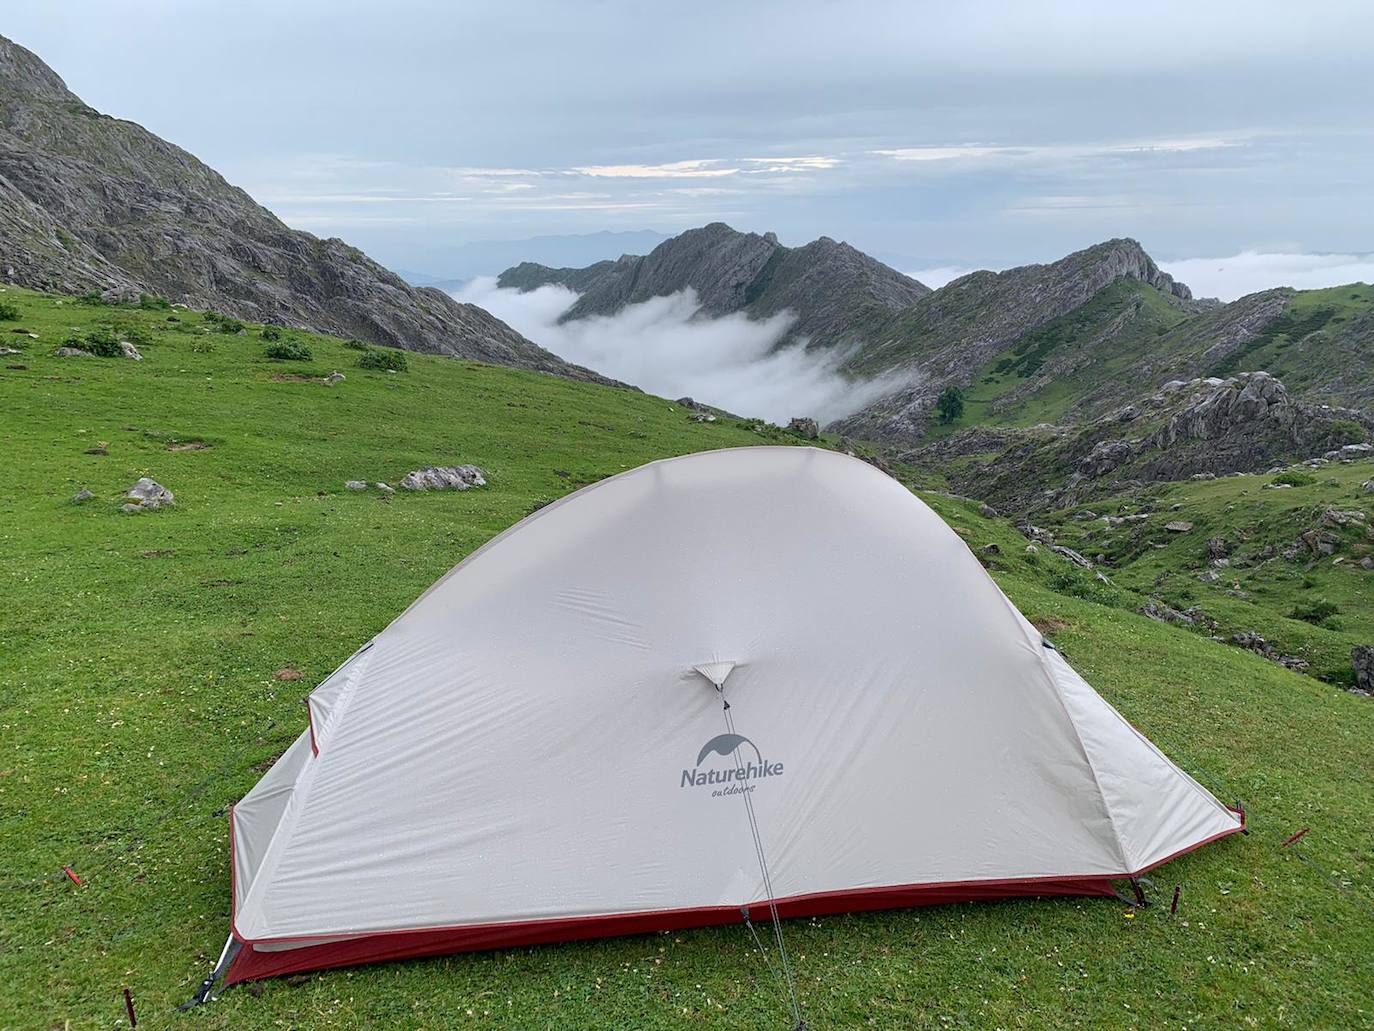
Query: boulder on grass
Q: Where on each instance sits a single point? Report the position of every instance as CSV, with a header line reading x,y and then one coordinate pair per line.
x,y
444,477
805,427
148,494
1362,660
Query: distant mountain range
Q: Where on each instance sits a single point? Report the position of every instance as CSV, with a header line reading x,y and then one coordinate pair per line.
x,y
1040,354
93,203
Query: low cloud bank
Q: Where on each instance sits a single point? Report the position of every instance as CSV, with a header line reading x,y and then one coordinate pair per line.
x,y
662,347
1249,271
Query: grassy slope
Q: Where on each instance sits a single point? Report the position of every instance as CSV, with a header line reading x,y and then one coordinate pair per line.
x,y
1252,593
136,702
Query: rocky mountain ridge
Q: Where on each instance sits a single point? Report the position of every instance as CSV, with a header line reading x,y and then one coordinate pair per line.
x,y
831,288
94,203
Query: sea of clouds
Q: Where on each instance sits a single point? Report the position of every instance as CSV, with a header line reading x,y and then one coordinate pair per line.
x,y
665,346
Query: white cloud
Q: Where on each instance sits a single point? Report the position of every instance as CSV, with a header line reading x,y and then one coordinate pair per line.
x,y
698,168
664,347
1065,151
1249,271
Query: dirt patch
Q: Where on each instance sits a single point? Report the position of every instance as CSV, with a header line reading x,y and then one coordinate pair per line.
x,y
221,583
287,673
1048,625
187,445
159,553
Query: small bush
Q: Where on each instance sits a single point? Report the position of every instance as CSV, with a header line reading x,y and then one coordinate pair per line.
x,y
90,297
271,333
1294,478
1318,612
394,361
203,347
8,313
152,302
100,342
355,345
211,316
134,333
288,351
950,404
1347,431
228,325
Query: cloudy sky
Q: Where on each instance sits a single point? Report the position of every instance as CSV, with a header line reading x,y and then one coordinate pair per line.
x,y
1237,137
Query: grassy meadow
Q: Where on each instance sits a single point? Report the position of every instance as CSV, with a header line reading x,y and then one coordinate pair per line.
x,y
144,686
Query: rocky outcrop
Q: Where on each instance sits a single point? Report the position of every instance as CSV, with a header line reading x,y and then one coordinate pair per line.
x,y
832,291
1199,428
93,203
1362,663
444,477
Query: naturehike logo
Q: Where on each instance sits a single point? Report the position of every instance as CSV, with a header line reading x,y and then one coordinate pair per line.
x,y
735,778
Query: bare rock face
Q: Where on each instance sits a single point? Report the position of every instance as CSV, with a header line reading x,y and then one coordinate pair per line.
x,y
1362,661
805,427
147,494
89,202
444,477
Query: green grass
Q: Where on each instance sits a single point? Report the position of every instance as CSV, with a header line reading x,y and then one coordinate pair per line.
x,y
1265,595
137,702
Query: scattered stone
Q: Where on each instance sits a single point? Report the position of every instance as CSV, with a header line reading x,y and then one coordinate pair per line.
x,y
1085,515
992,549
1031,549
1071,555
1367,563
1209,576
986,511
149,494
807,428
130,351
81,496
1319,542
1138,517
1351,452
1362,661
1252,641
702,417
1165,613
1335,517
333,378
1036,533
1179,526
384,488
1217,548
355,485
1203,476
71,352
444,477
1367,486
287,673
1102,577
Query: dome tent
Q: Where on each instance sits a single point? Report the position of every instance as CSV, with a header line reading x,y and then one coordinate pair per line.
x,y
536,750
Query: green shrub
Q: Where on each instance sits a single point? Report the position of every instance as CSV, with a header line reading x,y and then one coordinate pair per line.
x,y
1318,612
101,342
288,351
228,325
8,313
203,346
152,302
90,297
391,360
950,404
271,333
1294,478
134,333
1347,431
355,345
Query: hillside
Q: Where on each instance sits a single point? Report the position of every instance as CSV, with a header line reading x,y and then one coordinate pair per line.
x,y
831,288
93,203
155,665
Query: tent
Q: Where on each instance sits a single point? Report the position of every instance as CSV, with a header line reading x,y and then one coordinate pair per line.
x,y
751,677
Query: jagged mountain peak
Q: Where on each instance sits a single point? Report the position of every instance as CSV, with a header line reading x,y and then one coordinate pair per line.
x,y
89,202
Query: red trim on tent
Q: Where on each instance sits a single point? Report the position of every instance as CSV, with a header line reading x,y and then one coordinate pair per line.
x,y
252,964
310,718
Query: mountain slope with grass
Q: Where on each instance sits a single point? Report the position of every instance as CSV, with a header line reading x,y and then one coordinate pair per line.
x,y
94,203
155,665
